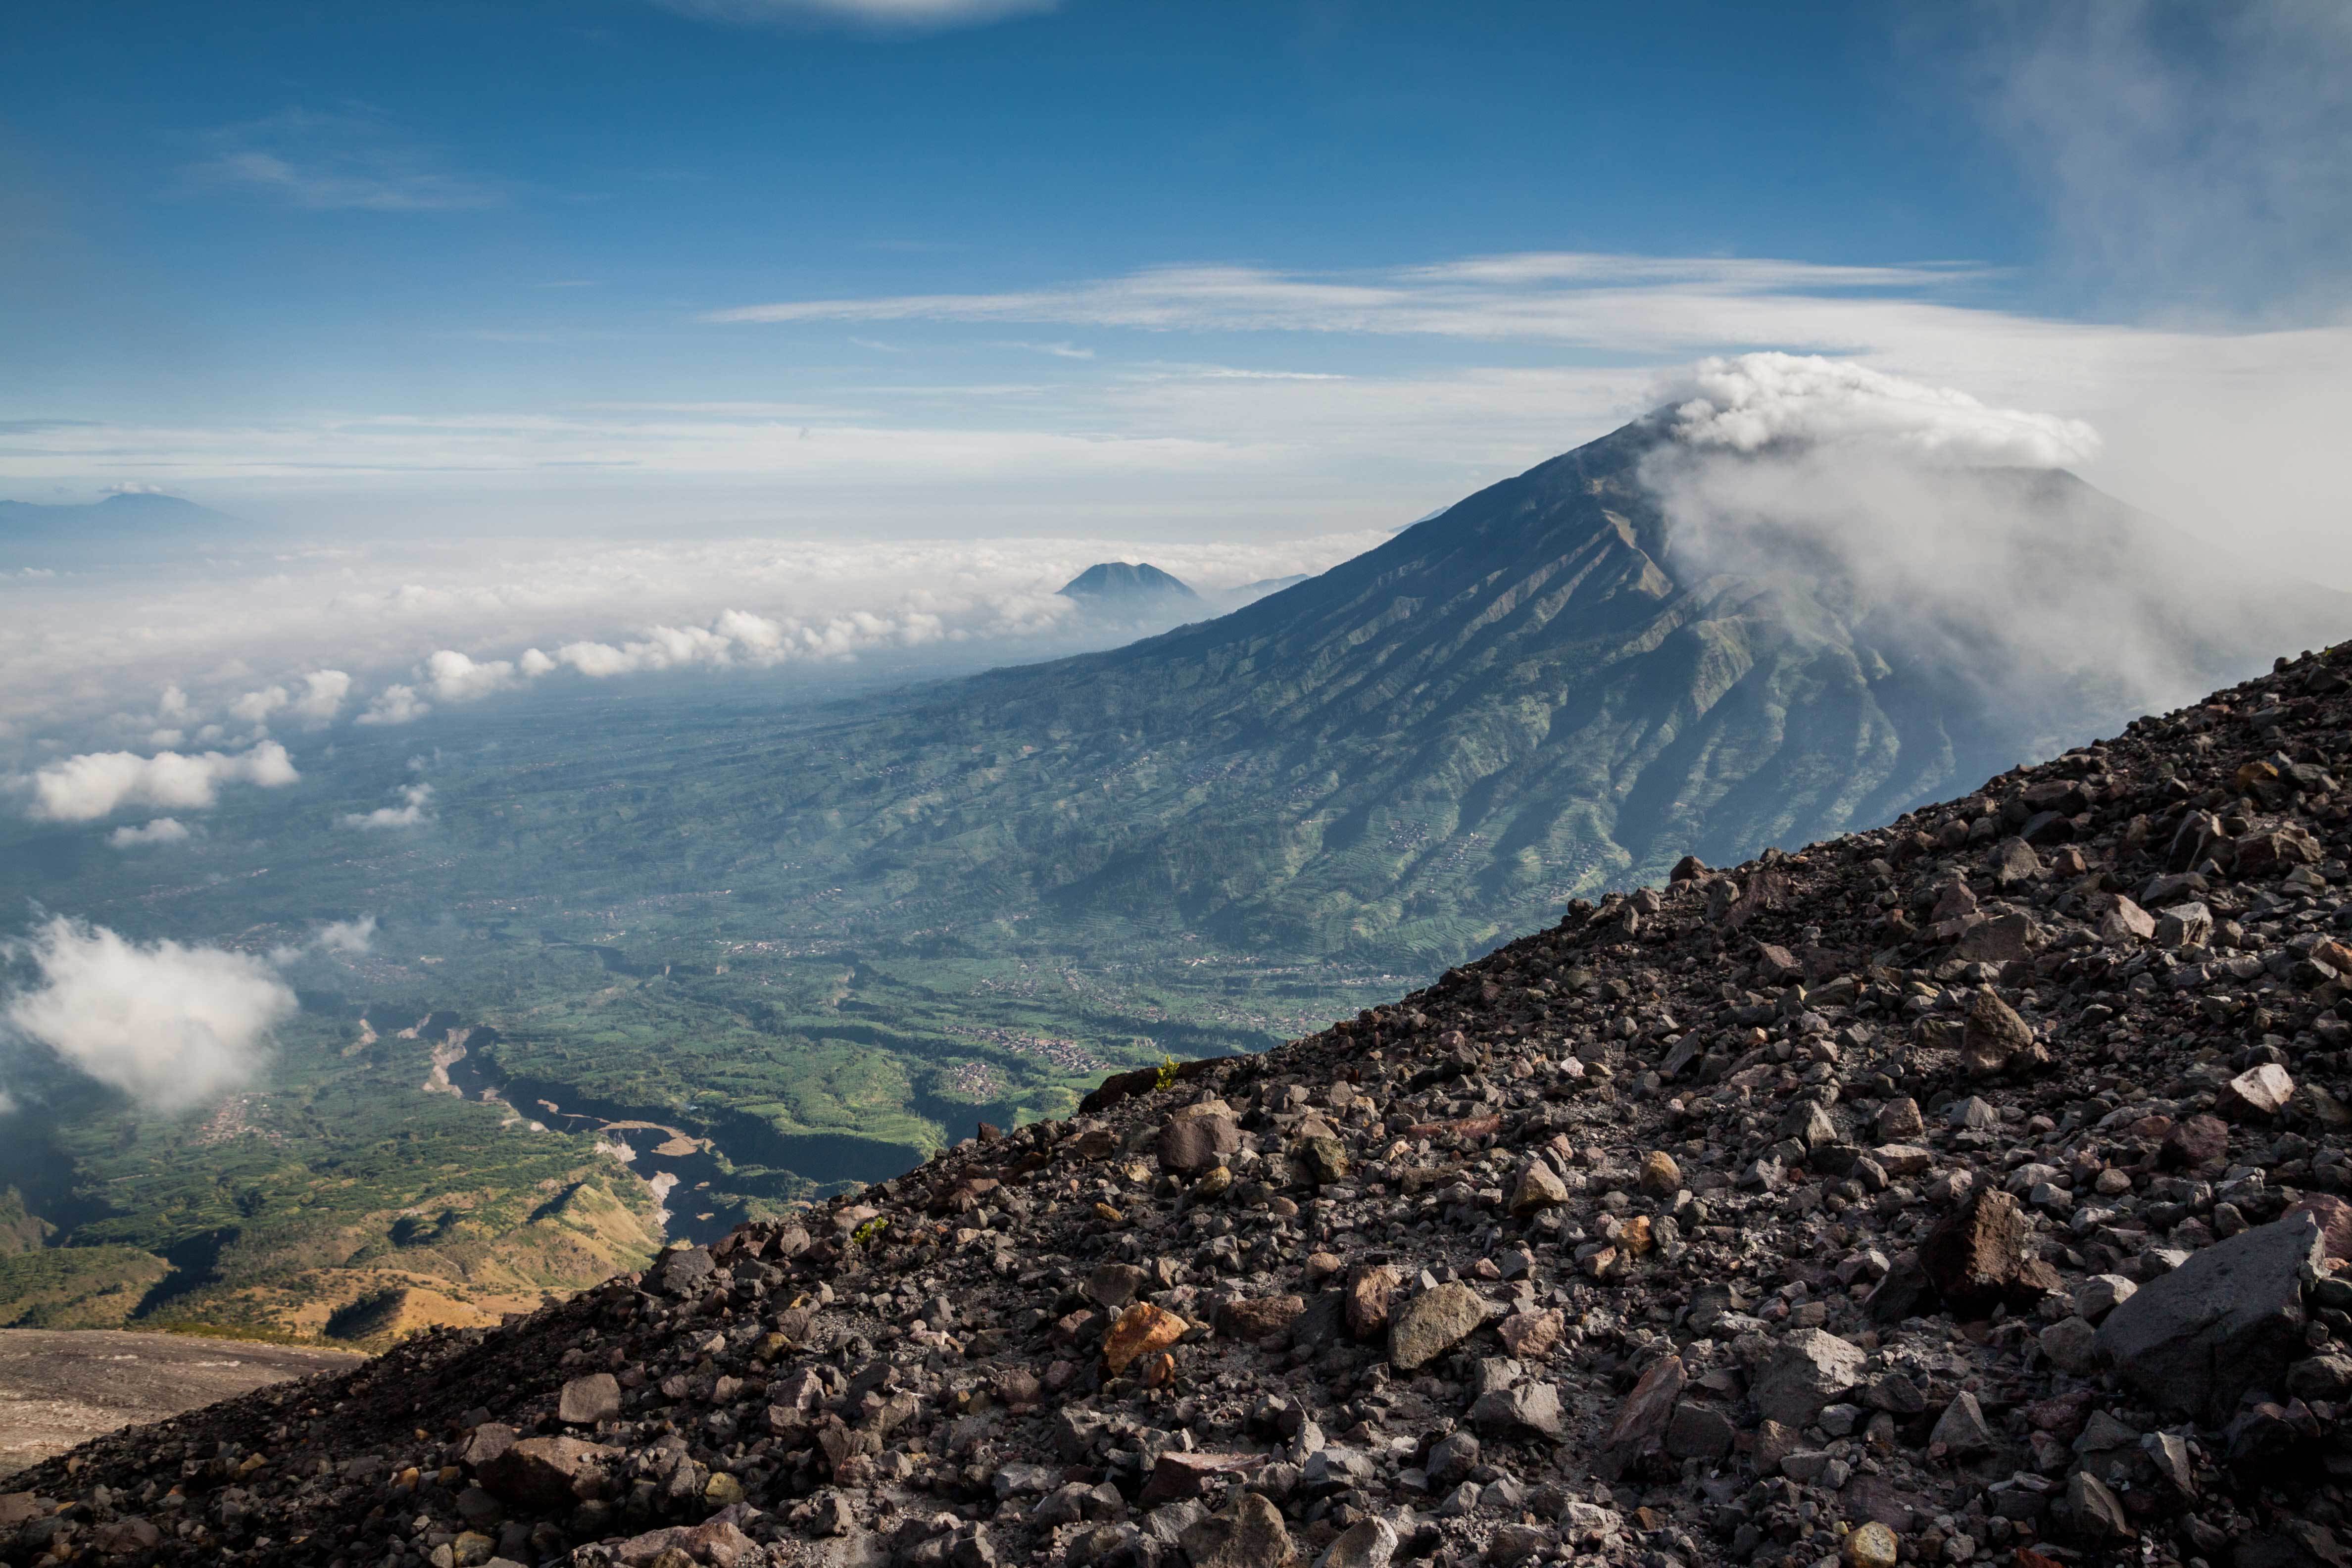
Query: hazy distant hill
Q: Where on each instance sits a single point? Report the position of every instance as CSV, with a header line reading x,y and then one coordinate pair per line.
x,y
35,533
1124,588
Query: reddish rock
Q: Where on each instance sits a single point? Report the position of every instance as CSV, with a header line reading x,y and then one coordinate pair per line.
x,y
1641,1424
1369,1293
1976,1257
1141,1327
2199,1141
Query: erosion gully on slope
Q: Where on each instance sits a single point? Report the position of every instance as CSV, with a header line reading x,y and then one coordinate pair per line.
x,y
1960,1190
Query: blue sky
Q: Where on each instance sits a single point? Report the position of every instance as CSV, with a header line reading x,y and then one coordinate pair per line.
x,y
1180,267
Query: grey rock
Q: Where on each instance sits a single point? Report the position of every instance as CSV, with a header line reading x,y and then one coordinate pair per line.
x,y
2229,1320
1812,1369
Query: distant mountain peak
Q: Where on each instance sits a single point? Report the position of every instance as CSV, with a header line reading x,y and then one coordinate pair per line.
x,y
1119,582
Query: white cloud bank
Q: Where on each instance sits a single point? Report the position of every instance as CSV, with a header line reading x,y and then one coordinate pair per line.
x,y
171,1025
97,783
1755,401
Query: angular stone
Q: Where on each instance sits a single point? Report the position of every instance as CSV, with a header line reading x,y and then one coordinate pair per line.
x,y
1323,1158
1660,1177
1367,1543
1433,1323
2098,1514
1452,1458
1262,1319
2126,922
1369,1293
2229,1320
1530,1336
1872,1545
1250,1534
2257,1094
2005,939
548,1473
2100,1294
1188,1145
1539,1188
1812,1369
2071,1345
1142,1330
1698,1432
1995,1035
1113,1285
1642,1420
2198,1140
1530,1408
1899,1120
2184,925
1179,1474
588,1400
1977,1258
1512,1545
1961,1429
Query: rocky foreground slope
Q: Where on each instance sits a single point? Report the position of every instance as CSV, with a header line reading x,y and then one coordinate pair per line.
x,y
1960,1191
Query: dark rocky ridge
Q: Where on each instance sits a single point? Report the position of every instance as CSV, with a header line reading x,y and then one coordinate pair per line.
x,y
1960,1190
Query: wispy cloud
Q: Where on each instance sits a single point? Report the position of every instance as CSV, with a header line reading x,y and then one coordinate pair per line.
x,y
2191,157
351,160
1059,350
878,16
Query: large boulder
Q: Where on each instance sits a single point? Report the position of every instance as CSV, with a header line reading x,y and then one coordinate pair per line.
x,y
1433,1323
1811,1370
2229,1320
546,1474
1193,1142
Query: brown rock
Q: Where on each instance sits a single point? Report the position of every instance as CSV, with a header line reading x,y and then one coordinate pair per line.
x,y
1262,1321
548,1473
1994,1036
1660,1177
1250,1534
2199,1140
1142,1328
1976,1257
1369,1293
1113,1285
1178,1475
1641,1424
1539,1188
1530,1336
1433,1323
1899,1122
2335,1217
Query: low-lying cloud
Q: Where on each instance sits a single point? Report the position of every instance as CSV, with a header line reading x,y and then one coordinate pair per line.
x,y
152,835
97,783
171,1025
412,812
